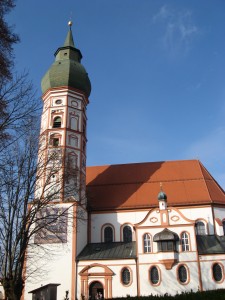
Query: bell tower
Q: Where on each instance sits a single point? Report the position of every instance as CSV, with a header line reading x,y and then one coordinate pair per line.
x,y
61,176
66,88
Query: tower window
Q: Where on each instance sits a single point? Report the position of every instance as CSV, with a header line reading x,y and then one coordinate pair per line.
x,y
57,122
127,234
59,101
74,122
55,142
125,276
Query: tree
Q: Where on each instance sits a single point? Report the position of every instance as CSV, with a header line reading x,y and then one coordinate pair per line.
x,y
29,216
7,39
18,106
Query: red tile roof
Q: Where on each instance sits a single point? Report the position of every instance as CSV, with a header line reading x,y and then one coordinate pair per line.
x,y
131,186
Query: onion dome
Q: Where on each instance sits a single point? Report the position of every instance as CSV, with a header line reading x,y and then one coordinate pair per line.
x,y
67,69
162,195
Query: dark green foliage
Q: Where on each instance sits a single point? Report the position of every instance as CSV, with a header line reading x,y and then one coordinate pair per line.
x,y
207,295
7,40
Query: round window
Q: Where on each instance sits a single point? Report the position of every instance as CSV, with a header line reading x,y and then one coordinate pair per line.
x,y
74,103
59,101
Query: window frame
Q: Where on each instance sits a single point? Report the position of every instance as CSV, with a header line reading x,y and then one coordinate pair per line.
x,y
165,246
55,139
222,272
187,274
147,243
185,241
159,275
199,231
124,234
103,230
104,234
130,274
74,118
57,124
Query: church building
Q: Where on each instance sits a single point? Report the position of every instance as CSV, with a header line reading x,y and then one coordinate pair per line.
x,y
136,229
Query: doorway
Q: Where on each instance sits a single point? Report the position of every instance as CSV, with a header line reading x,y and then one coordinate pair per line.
x,y
96,291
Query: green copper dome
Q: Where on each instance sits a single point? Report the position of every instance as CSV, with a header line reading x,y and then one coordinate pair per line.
x,y
67,69
162,196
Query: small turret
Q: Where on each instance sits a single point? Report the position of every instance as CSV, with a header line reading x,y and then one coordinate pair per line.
x,y
162,199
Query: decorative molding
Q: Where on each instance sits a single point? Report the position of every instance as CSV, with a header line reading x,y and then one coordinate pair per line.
x,y
153,220
168,263
175,218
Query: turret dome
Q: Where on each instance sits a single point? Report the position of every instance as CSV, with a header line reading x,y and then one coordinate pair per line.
x,y
162,196
67,69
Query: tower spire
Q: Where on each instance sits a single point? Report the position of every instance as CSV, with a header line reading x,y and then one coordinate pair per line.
x,y
69,38
67,69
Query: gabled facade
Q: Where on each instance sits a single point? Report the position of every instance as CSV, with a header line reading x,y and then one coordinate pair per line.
x,y
150,228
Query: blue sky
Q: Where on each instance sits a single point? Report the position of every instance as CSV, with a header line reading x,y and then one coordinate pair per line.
x,y
157,70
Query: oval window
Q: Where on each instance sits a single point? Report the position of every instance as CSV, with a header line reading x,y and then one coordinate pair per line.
x,y
74,103
217,272
182,274
126,276
154,275
59,101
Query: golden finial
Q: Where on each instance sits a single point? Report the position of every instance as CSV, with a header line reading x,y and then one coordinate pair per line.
x,y
70,23
161,186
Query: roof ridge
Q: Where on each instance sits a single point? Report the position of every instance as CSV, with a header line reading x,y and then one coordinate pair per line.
x,y
152,181
211,179
145,162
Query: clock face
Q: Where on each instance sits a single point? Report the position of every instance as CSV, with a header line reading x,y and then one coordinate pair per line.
x,y
59,101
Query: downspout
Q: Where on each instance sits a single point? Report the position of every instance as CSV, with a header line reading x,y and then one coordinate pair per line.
x,y
137,265
137,277
199,265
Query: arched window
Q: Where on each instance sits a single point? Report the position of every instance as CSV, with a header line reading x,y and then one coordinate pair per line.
x,y
200,228
147,243
154,275
57,122
182,274
217,272
55,140
108,234
185,242
74,122
125,276
73,140
127,234
223,227
72,161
